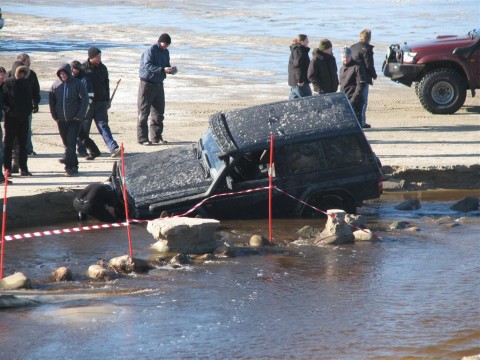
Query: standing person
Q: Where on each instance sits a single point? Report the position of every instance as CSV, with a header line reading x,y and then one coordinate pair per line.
x,y
24,60
3,77
298,68
322,71
97,73
84,142
68,100
352,82
154,67
362,52
18,106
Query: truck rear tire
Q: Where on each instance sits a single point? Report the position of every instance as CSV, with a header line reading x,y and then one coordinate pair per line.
x,y
442,91
327,202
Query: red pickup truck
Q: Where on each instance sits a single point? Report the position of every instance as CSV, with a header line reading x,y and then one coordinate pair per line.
x,y
443,69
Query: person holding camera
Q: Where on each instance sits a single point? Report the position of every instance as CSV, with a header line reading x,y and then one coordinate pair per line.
x,y
154,67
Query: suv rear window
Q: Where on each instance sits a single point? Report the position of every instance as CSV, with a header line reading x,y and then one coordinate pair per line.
x,y
322,154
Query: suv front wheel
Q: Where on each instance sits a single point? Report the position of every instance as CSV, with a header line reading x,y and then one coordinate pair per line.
x,y
442,91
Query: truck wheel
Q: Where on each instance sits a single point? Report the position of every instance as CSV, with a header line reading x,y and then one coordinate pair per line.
x,y
442,91
327,202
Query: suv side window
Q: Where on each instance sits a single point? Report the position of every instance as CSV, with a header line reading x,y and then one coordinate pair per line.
x,y
304,158
320,155
343,151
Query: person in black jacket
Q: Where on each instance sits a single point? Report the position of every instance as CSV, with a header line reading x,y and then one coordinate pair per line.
x,y
362,52
24,60
322,71
84,141
352,82
18,106
3,77
298,68
68,100
97,73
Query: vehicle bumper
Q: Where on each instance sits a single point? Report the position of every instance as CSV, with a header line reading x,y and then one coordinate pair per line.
x,y
404,74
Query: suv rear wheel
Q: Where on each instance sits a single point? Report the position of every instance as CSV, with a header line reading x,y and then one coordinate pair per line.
x,y
442,91
327,202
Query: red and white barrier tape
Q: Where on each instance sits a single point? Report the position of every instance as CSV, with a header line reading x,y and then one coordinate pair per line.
x,y
67,231
219,195
324,212
125,223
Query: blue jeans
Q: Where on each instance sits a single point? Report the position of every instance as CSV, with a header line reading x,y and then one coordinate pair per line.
x,y
365,103
98,111
297,92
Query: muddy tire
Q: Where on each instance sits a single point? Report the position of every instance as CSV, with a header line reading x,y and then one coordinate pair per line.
x,y
442,91
327,202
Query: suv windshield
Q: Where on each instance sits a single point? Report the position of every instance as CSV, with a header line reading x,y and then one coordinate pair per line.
x,y
210,150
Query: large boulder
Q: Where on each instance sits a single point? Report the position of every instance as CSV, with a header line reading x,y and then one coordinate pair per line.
x,y
336,231
15,282
185,235
469,203
412,204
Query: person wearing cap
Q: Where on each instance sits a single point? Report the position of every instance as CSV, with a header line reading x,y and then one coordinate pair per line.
x,y
154,67
352,82
84,141
68,101
362,52
18,106
322,71
298,68
97,73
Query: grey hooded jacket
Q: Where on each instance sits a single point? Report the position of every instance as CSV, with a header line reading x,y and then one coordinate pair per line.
x,y
68,100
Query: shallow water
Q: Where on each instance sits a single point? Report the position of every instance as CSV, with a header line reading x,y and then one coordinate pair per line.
x,y
411,294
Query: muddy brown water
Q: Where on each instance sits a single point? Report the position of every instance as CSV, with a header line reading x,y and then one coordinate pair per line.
x,y
411,294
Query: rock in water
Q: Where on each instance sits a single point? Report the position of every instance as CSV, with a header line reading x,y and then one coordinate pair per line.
x,y
185,235
336,231
15,282
467,204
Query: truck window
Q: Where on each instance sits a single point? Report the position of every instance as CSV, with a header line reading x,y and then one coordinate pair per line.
x,y
342,151
303,158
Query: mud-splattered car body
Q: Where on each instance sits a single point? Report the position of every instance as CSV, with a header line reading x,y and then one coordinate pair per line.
x,y
320,156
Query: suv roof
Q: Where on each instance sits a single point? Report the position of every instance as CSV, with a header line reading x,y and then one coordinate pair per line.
x,y
250,129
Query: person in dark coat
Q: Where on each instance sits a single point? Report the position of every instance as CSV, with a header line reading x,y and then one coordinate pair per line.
x,y
298,68
18,106
3,77
154,67
68,100
352,82
362,53
84,141
322,71
100,201
24,60
97,73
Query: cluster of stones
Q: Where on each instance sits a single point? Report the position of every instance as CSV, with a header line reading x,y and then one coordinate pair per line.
x,y
196,237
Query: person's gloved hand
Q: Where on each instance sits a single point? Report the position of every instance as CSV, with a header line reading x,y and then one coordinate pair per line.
x,y
35,108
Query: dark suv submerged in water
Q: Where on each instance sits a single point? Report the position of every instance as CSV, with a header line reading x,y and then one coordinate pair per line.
x,y
320,157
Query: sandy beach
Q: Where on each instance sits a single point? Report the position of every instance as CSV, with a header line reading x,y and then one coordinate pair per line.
x,y
429,151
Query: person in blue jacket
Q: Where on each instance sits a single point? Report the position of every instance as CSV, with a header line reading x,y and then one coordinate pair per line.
x,y
154,67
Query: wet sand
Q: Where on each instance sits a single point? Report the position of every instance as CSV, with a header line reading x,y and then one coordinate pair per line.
x,y
432,151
